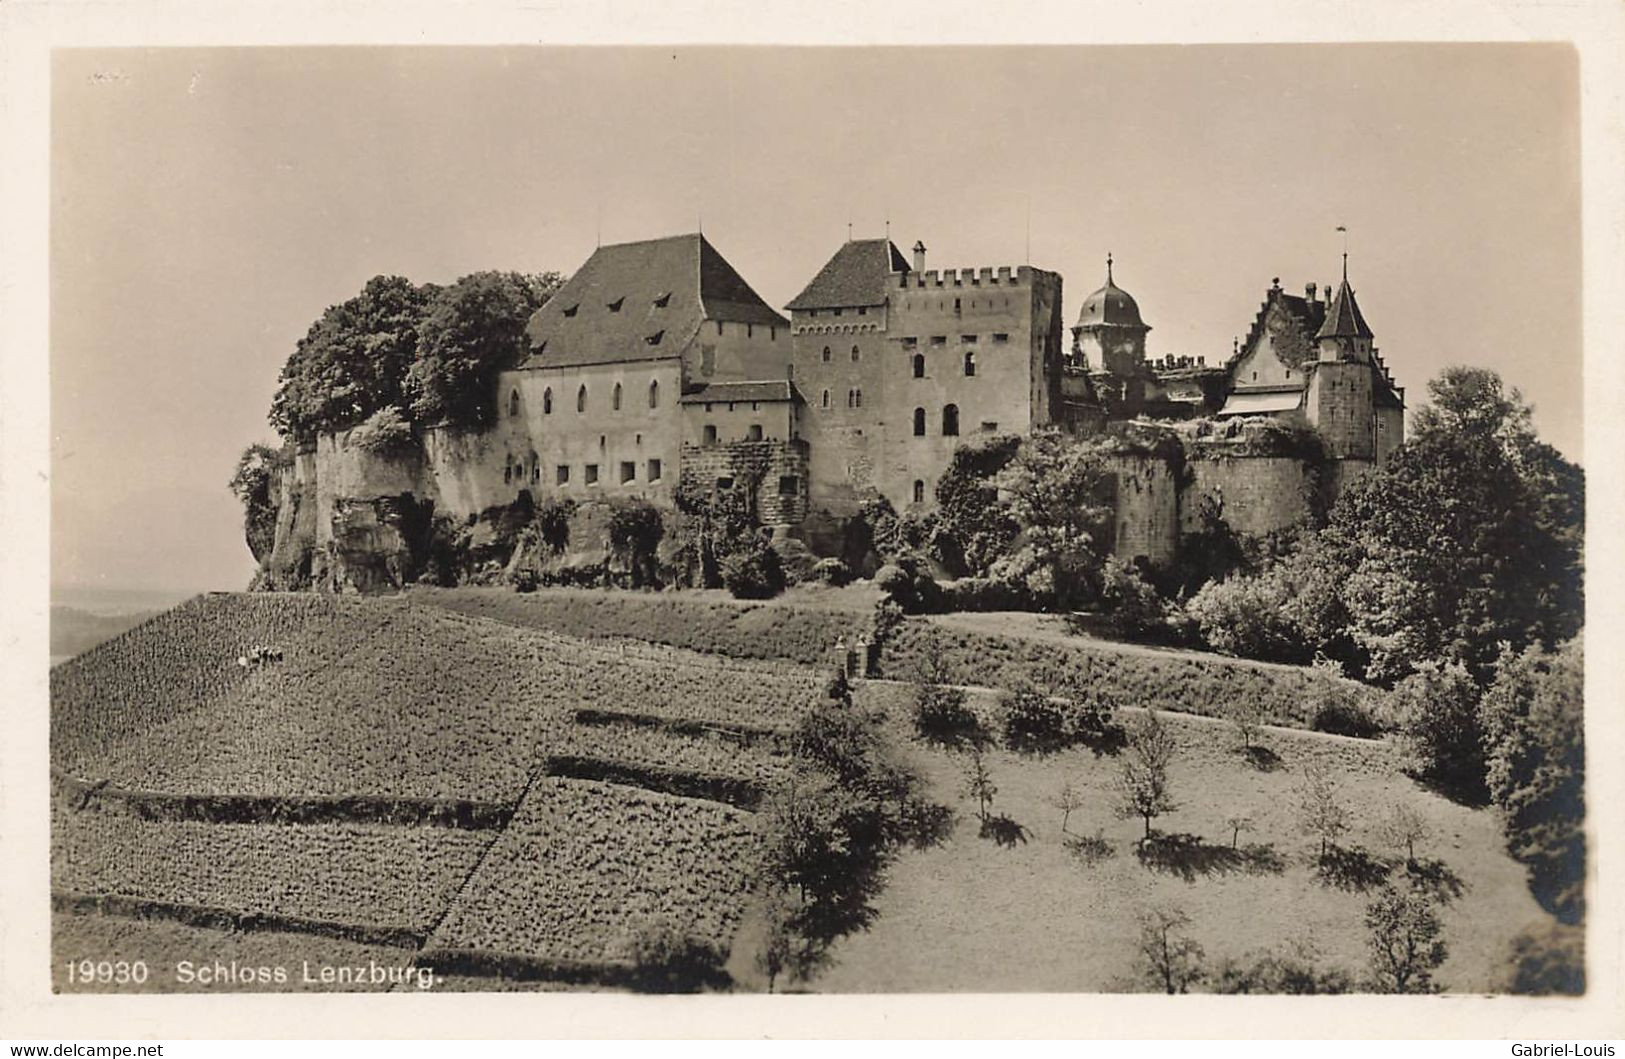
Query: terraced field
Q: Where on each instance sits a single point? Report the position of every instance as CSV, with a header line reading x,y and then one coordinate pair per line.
x,y
388,783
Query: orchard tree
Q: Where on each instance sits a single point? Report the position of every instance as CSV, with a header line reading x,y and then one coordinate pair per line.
x,y
1403,828
1142,784
979,783
1169,956
1321,807
1404,941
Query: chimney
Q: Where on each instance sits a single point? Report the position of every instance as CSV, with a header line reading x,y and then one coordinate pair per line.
x,y
1309,292
1326,293
919,256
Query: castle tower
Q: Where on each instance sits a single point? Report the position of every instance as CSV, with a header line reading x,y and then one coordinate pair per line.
x,y
1341,403
1110,337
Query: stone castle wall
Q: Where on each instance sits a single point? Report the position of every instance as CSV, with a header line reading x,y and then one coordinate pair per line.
x,y
781,492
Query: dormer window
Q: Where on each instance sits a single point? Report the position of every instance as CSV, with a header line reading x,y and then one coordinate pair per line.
x,y
654,339
615,306
661,302
571,311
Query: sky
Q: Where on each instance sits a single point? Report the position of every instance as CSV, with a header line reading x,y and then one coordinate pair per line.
x,y
208,204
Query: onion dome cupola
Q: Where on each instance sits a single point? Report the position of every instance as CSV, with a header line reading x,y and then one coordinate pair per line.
x,y
1109,334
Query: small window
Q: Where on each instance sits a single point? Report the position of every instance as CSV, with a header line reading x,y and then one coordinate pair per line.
x,y
910,342
615,306
547,401
956,300
507,473
581,399
750,330
863,310
939,340
513,403
826,398
730,406
968,339
719,327
571,311
837,312
591,477
629,471
970,362
535,468
789,485
615,398
919,491
708,406
919,365
662,301
919,422
755,432
561,474
1000,337
654,394
990,426
790,372
857,398
950,420
854,354
654,339
724,484
710,433
753,407
826,354
773,334
654,470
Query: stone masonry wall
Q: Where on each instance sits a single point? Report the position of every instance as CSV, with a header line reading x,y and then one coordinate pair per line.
x,y
781,493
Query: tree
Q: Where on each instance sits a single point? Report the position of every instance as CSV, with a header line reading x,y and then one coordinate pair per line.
x,y
1403,828
973,527
352,362
1238,824
1404,941
1246,716
1135,607
1058,490
635,530
1534,735
1142,784
1171,958
1068,799
251,485
1437,709
471,331
979,783
1321,808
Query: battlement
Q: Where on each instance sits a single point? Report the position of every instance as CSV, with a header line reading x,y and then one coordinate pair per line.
x,y
1003,276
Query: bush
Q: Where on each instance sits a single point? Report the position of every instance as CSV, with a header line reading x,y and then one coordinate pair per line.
x,y
1033,722
384,433
1549,961
983,594
1293,973
1345,717
1247,617
1134,605
832,572
666,960
908,581
941,715
753,573
635,531
551,523
1437,710
526,580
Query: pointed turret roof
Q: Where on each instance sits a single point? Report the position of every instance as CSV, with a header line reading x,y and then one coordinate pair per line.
x,y
1343,319
855,275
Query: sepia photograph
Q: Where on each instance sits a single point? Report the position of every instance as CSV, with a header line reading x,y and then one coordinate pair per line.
x,y
850,520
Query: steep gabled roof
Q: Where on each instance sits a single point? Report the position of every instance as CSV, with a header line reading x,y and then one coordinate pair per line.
x,y
770,390
1343,320
856,275
641,301
1306,313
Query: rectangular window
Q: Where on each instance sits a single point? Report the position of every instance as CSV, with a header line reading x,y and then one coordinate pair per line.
x,y
862,311
939,340
789,485
591,476
561,474
629,471
1001,338
910,342
654,470
989,426
967,339
837,312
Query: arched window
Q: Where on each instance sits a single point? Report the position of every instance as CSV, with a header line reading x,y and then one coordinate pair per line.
x,y
535,467
950,420
919,365
507,471
513,403
919,422
581,399
826,354
654,394
919,491
615,399
547,401
755,432
854,354
826,398
970,362
857,398
710,434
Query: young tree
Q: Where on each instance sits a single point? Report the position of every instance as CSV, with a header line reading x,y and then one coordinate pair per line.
x,y
979,783
1238,824
1404,828
1068,799
1170,957
1246,716
1321,808
1404,941
1142,784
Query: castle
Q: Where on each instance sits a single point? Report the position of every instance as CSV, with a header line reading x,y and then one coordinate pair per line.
x,y
656,363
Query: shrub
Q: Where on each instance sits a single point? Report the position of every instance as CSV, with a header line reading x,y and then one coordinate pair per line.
x,y
1033,722
1134,605
1437,709
942,716
1549,961
525,579
384,433
666,960
983,594
1345,717
552,523
1293,973
635,530
832,572
753,573
1248,617
1404,941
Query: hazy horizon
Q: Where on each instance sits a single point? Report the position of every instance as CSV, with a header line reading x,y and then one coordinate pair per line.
x,y
208,204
